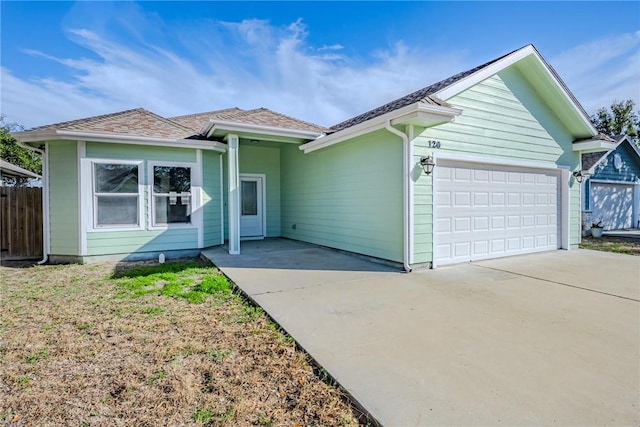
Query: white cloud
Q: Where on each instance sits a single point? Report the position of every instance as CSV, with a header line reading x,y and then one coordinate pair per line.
x,y
250,64
602,70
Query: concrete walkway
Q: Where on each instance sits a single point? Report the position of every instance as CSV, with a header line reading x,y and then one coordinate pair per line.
x,y
544,339
633,233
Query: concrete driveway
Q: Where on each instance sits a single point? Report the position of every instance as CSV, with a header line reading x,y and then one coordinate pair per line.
x,y
536,340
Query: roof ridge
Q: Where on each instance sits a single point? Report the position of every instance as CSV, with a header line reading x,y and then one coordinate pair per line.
x,y
99,117
165,119
205,112
417,95
288,117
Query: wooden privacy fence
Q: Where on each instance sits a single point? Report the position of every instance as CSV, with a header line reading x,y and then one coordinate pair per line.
x,y
20,223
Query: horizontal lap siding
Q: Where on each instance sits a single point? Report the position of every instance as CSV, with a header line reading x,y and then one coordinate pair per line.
x,y
129,241
63,198
141,241
348,196
211,198
256,159
99,150
503,117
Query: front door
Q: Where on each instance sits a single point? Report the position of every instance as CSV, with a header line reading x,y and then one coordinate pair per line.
x,y
251,207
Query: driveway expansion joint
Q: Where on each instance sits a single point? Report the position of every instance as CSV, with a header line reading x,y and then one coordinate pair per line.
x,y
556,282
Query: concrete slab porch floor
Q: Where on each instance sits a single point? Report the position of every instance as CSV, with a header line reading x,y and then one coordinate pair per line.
x,y
536,340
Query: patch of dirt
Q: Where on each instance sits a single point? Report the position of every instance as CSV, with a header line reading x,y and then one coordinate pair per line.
x,y
623,245
74,351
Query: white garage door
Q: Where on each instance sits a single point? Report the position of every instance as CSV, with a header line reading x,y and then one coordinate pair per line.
x,y
488,211
613,204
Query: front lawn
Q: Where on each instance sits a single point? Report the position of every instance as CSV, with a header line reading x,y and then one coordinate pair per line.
x,y
149,345
622,245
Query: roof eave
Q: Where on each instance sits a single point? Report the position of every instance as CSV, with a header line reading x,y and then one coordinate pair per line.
x,y
30,137
241,127
517,56
593,145
417,113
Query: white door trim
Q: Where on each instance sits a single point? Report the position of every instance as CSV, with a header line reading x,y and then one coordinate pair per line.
x,y
263,204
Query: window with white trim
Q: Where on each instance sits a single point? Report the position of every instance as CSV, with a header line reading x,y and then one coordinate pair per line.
x,y
116,195
171,195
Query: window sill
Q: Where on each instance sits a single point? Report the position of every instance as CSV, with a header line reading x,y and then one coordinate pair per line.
x,y
172,227
114,229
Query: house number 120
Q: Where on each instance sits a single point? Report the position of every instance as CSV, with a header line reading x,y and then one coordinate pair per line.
x,y
433,144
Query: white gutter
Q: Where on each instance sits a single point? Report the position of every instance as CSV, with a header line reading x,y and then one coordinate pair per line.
x,y
380,122
45,200
406,257
212,126
594,145
49,135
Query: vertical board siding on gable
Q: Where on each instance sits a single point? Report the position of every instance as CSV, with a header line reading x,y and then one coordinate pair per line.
x,y
629,172
63,198
503,117
211,198
120,242
348,196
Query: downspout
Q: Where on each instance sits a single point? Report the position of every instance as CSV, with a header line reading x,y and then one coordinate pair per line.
x,y
405,193
45,201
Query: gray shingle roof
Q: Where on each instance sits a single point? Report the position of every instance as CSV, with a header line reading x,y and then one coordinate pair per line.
x,y
590,159
424,95
196,121
138,122
258,116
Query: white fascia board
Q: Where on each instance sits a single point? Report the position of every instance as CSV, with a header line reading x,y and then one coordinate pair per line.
x,y
427,118
49,135
488,71
592,145
212,126
446,113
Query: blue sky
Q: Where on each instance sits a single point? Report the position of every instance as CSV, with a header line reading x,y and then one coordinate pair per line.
x,y
320,61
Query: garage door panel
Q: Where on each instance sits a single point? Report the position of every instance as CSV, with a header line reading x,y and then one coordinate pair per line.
x,y
613,205
506,211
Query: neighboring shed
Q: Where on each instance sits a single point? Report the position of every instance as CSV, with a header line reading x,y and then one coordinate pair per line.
x,y
9,170
611,194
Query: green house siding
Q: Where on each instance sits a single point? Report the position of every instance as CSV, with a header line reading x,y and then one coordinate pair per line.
x,y
256,159
211,198
130,241
503,117
100,150
64,207
262,159
124,242
348,196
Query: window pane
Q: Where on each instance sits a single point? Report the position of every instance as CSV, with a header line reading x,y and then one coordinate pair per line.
x,y
171,179
114,210
113,178
171,210
249,196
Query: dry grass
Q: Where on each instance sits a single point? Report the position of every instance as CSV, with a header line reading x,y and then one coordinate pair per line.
x,y
621,245
79,348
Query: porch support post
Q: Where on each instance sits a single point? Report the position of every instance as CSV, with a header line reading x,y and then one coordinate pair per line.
x,y
234,194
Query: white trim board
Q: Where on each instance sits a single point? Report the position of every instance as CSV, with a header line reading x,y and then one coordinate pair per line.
x,y
495,161
263,177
